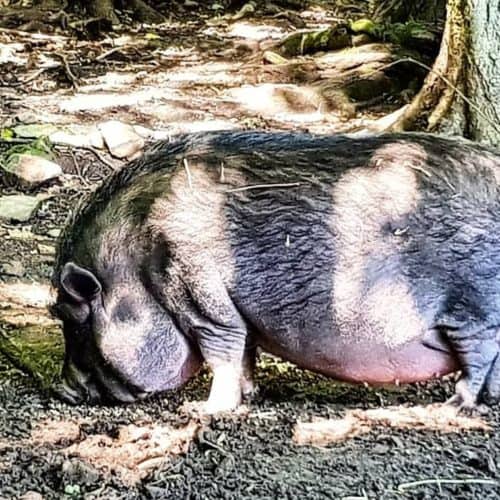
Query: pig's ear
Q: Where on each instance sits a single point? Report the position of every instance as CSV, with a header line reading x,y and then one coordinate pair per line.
x,y
79,283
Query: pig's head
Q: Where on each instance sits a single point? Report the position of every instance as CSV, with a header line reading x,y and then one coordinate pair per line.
x,y
121,344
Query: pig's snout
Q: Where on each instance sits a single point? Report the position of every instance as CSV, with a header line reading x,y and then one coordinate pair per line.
x,y
75,386
78,387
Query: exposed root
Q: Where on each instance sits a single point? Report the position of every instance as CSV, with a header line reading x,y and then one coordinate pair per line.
x,y
432,104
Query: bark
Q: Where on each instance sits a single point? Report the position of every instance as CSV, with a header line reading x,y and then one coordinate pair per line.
x,y
434,103
143,12
482,82
395,11
105,9
461,93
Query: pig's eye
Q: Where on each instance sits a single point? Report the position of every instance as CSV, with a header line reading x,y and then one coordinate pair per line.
x,y
124,311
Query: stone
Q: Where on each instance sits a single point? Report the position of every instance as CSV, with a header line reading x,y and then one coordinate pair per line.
x,y
121,138
34,130
95,138
21,234
31,495
54,233
33,170
362,39
19,207
12,268
46,249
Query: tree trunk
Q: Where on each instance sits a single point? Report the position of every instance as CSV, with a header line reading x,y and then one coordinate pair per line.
x,y
482,81
105,9
461,92
396,11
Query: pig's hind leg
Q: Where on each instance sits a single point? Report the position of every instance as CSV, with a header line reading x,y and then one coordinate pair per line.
x,y
477,349
492,388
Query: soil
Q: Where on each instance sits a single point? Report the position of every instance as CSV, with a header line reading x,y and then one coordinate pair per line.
x,y
151,449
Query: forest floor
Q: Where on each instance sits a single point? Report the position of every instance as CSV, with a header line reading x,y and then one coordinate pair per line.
x,y
196,73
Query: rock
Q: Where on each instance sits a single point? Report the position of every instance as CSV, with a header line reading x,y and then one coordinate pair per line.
x,y
25,234
31,495
79,137
54,233
35,130
19,207
70,139
95,138
121,138
33,295
191,3
46,249
12,268
22,234
362,39
33,170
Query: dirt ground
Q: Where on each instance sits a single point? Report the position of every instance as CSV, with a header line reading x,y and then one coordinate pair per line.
x,y
198,75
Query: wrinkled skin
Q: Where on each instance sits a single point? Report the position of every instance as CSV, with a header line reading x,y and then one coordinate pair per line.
x,y
372,259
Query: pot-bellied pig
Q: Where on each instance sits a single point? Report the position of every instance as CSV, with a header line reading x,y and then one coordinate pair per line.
x,y
368,259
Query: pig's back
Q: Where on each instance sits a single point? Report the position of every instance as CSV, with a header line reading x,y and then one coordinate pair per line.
x,y
371,242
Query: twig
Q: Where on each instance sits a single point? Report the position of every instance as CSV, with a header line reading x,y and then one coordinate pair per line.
x,y
406,486
84,22
33,77
263,186
111,51
77,168
203,440
69,73
100,157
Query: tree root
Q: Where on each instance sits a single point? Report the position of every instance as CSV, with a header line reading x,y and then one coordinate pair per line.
x,y
432,106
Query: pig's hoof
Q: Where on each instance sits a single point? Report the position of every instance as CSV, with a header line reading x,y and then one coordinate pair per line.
x,y
195,409
205,410
467,407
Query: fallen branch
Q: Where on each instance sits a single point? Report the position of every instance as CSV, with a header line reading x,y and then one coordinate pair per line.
x,y
435,417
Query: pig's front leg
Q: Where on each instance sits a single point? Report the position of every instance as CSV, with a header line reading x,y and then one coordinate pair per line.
x,y
231,382
211,319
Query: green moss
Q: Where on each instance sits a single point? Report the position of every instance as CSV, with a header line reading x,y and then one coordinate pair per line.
x,y
36,350
308,42
6,134
363,26
406,34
